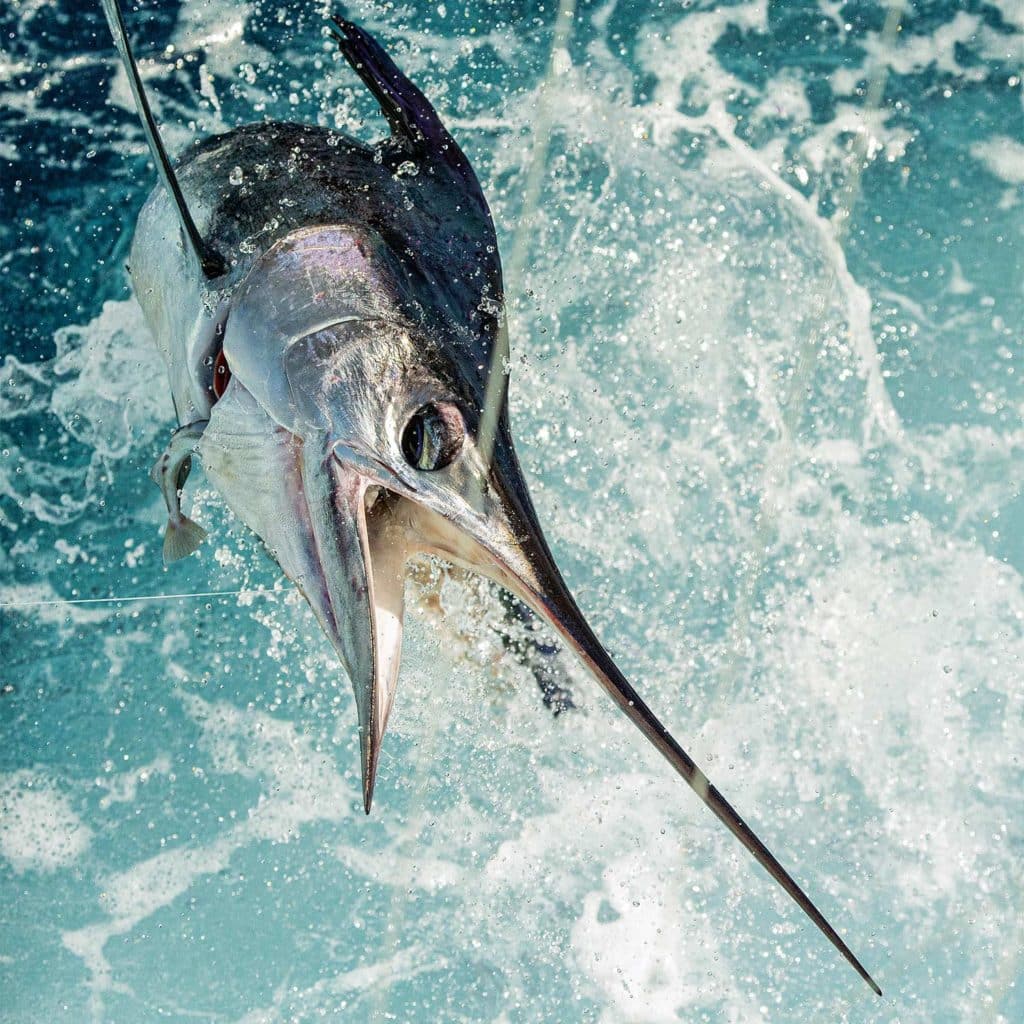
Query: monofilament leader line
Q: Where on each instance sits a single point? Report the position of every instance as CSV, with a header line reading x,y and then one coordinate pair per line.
x,y
125,598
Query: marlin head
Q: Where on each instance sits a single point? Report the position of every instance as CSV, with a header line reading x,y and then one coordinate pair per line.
x,y
344,432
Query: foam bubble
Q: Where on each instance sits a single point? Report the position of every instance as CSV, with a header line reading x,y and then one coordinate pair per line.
x,y
1003,156
39,827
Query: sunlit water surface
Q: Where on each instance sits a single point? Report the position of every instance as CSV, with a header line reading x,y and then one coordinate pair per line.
x,y
767,390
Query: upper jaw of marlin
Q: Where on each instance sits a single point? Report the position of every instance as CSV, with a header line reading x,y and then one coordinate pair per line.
x,y
366,515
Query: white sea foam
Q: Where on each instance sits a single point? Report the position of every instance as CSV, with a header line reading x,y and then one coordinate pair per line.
x,y
1003,156
302,788
103,376
99,389
651,959
39,827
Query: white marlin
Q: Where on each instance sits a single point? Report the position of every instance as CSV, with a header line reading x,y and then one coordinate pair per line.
x,y
328,360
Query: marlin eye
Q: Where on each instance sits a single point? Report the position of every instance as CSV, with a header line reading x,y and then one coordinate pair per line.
x,y
433,436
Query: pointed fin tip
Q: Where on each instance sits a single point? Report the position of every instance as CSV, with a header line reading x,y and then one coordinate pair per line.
x,y
346,26
181,539
408,112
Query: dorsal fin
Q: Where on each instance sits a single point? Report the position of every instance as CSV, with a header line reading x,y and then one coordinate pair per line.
x,y
409,113
212,262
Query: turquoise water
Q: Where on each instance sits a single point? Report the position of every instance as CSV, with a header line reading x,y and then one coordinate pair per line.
x,y
767,391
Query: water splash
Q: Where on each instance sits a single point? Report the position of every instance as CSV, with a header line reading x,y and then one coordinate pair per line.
x,y
687,245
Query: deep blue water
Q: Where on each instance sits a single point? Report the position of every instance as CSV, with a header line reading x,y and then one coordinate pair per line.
x,y
767,389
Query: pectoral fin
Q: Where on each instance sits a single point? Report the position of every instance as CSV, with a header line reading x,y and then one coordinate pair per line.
x,y
169,473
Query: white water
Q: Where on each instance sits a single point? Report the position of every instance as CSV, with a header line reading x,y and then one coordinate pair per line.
x,y
818,584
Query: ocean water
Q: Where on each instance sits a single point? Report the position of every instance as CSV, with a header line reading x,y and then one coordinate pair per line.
x,y
766,386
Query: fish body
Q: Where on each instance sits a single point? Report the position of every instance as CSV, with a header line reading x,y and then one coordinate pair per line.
x,y
333,311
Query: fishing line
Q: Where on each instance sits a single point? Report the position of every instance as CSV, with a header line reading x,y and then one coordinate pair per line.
x,y
139,597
